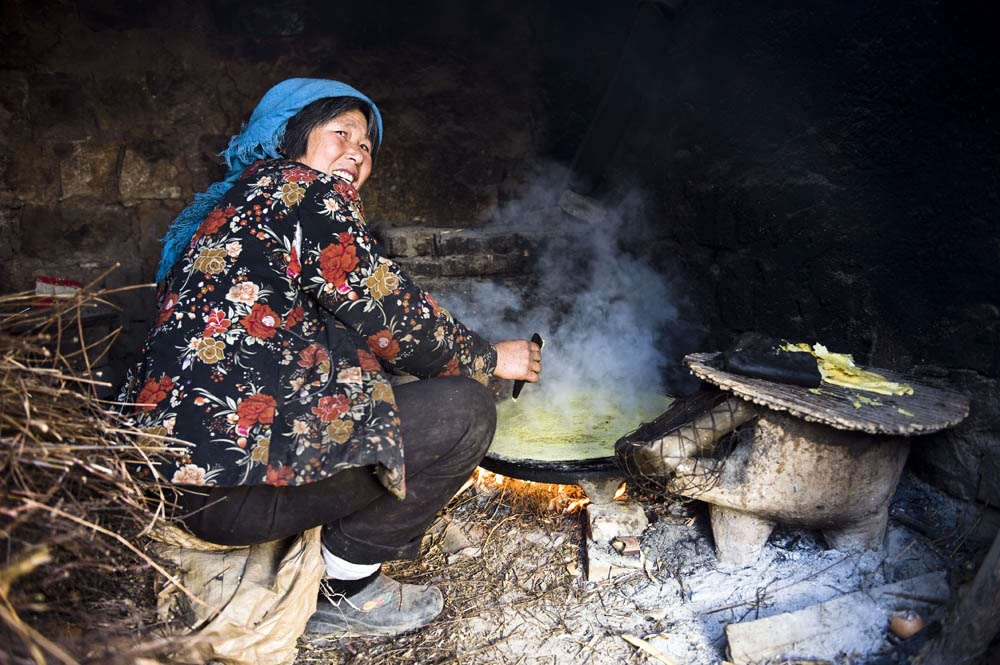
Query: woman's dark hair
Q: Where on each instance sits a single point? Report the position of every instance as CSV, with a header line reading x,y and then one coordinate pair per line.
x,y
300,125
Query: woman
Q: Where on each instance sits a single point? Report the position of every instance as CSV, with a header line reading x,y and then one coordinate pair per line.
x,y
279,319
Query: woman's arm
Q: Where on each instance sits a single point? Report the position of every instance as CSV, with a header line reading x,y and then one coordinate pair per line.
x,y
348,272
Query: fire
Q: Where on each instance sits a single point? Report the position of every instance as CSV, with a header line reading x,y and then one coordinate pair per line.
x,y
551,497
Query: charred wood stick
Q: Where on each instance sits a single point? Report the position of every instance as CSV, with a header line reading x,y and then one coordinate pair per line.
x,y
972,623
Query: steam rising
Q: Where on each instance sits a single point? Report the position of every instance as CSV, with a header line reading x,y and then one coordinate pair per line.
x,y
600,310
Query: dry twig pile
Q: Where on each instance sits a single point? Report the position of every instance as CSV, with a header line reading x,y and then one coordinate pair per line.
x,y
72,577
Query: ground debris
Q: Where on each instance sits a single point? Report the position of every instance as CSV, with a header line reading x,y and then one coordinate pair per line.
x,y
648,648
525,600
854,622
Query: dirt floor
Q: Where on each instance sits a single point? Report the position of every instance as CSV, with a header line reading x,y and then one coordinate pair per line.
x,y
512,569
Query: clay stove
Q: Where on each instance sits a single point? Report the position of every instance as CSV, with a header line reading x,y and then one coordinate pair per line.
x,y
823,459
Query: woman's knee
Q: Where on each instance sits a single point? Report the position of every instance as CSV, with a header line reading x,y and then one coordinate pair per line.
x,y
473,402
446,418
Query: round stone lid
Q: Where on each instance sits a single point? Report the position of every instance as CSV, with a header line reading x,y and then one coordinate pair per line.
x,y
927,410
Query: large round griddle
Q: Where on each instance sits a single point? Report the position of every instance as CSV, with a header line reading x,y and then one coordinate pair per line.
x,y
529,462
568,472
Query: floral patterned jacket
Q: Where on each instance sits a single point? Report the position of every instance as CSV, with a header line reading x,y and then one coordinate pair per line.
x,y
267,354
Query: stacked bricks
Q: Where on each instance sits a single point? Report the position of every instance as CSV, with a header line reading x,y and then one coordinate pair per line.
x,y
429,252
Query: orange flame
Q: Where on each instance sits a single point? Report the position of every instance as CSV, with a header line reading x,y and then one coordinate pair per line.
x,y
562,498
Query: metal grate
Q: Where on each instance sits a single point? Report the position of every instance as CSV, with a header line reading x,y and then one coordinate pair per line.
x,y
703,425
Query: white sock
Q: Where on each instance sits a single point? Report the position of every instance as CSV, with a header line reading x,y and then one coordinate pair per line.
x,y
342,569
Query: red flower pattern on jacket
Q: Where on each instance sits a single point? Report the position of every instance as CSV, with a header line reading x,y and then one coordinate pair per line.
x,y
153,392
294,317
262,321
216,323
279,477
433,304
253,168
337,259
215,220
167,309
212,223
299,174
294,268
345,189
254,409
368,362
383,345
312,355
331,408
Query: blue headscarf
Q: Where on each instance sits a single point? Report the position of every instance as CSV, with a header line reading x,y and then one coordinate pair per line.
x,y
259,139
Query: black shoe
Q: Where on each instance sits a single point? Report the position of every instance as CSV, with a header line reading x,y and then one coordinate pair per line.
x,y
384,607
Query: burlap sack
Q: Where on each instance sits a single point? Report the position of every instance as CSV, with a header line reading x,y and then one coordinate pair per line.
x,y
255,601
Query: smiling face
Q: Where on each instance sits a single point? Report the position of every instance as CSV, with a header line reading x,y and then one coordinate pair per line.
x,y
340,147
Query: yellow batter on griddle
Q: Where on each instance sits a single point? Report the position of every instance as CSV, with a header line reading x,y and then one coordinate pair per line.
x,y
566,427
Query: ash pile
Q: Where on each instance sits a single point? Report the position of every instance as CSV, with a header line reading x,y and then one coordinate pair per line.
x,y
799,600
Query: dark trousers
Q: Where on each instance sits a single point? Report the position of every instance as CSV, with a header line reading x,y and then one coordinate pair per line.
x,y
447,425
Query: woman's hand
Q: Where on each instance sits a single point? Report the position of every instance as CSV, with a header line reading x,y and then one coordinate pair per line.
x,y
518,359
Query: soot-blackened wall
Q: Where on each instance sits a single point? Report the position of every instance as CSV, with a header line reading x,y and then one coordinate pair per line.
x,y
823,171
826,171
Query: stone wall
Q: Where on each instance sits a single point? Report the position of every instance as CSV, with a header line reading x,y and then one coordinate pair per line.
x,y
821,173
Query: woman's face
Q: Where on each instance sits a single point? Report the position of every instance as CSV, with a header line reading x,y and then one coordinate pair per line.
x,y
340,147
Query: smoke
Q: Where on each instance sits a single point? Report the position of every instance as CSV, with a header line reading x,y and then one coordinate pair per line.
x,y
601,310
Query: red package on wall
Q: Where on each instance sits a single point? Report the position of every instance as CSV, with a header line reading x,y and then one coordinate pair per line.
x,y
50,289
